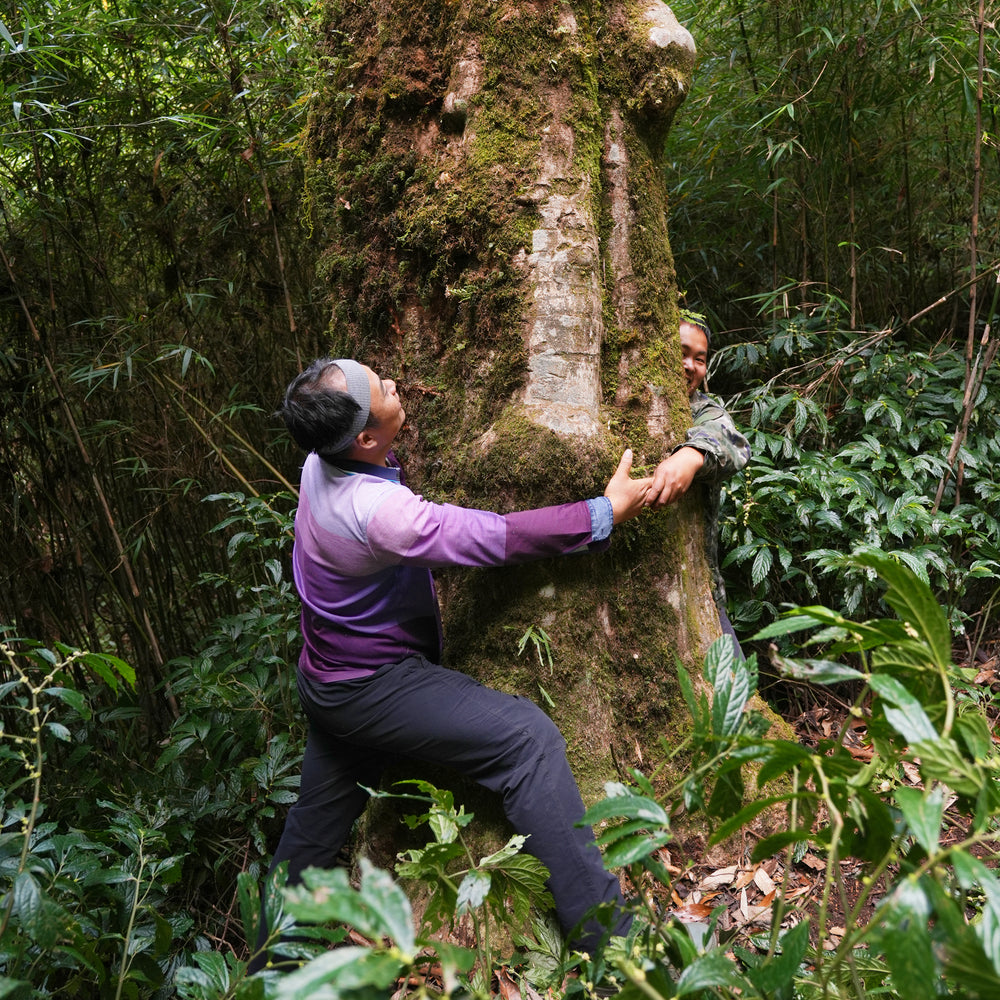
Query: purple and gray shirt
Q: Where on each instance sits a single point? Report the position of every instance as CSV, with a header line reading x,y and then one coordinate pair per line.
x,y
365,546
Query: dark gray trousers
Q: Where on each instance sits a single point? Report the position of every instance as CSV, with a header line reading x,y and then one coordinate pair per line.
x,y
419,710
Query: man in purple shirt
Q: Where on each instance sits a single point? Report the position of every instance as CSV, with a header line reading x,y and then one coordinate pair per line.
x,y
369,677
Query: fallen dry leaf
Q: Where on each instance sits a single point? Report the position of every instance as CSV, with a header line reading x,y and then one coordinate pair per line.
x,y
811,861
692,910
509,990
763,881
721,877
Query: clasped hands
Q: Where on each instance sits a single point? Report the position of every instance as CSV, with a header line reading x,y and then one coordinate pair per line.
x,y
670,481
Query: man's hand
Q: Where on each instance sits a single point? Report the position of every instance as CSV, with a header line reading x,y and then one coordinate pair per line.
x,y
673,477
627,496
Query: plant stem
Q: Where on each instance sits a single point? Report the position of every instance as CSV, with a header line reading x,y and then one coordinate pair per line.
x,y
125,964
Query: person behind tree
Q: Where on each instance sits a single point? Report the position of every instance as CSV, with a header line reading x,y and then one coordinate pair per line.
x,y
712,452
369,678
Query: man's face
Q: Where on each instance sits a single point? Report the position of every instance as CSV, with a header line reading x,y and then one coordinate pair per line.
x,y
386,409
694,349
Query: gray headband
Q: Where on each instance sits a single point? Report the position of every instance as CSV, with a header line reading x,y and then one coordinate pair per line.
x,y
359,388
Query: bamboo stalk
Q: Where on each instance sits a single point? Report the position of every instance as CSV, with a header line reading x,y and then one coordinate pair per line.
x,y
974,374
123,559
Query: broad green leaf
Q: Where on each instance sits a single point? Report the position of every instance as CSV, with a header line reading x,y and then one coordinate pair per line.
x,y
913,601
707,971
635,848
164,935
508,851
719,662
454,958
903,655
72,698
761,566
907,716
731,691
59,731
912,724
976,734
213,964
385,899
525,873
941,760
424,862
749,812
727,791
923,812
333,973
770,846
775,976
818,671
472,891
625,807
972,967
905,939
379,908
972,873
782,756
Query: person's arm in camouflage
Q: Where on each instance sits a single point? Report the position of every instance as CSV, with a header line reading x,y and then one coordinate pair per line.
x,y
712,450
726,451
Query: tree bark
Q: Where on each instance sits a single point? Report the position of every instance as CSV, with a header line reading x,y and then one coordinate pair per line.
x,y
488,176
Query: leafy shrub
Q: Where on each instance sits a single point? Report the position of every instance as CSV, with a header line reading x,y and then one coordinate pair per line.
x,y
852,460
79,909
126,857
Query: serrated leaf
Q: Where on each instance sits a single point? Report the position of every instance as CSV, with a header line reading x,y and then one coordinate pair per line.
x,y
508,851
379,908
472,891
213,965
762,564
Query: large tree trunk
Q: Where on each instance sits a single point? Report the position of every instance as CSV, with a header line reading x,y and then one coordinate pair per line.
x,y
488,176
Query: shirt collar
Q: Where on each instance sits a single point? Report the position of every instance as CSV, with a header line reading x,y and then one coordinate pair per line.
x,y
390,473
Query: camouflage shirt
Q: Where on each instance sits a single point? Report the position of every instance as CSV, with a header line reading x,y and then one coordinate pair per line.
x,y
726,452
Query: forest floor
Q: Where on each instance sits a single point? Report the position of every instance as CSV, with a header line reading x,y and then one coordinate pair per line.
x,y
723,876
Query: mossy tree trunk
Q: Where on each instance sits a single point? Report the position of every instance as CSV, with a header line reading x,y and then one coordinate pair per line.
x,y
488,178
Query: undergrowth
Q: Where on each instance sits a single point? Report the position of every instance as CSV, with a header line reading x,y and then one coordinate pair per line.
x,y
850,433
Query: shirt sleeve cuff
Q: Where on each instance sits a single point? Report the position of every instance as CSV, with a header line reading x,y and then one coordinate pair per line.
x,y
602,518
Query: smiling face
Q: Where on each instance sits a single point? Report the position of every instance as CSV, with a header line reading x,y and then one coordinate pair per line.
x,y
694,349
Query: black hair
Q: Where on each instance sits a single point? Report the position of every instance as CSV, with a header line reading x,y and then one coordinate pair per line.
x,y
697,320
317,416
